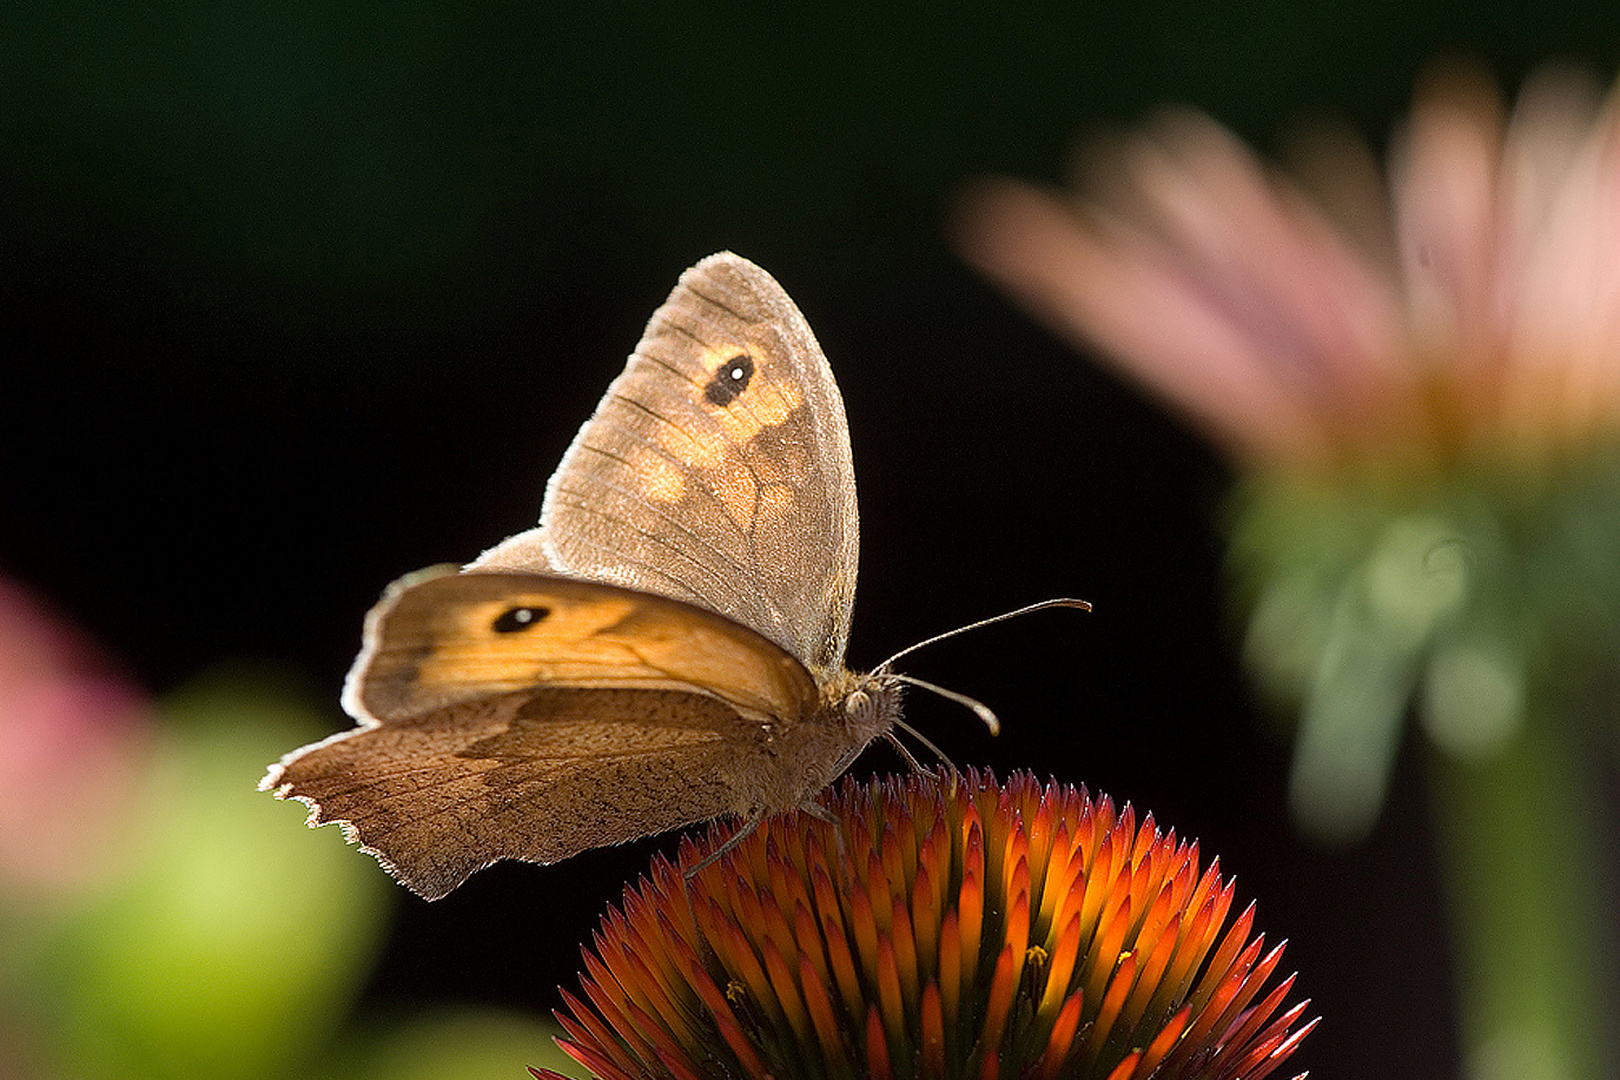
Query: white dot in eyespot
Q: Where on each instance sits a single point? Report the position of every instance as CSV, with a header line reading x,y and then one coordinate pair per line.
x,y
523,615
736,374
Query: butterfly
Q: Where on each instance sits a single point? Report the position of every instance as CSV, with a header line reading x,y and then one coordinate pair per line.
x,y
665,648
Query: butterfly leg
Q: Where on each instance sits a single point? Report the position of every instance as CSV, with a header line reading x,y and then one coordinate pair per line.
x,y
900,748
732,841
821,813
939,754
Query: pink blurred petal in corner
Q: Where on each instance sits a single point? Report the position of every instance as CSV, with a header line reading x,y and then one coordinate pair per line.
x,y
1566,321
74,742
1476,308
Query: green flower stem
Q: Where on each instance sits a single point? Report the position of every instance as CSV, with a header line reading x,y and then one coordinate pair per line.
x,y
1534,912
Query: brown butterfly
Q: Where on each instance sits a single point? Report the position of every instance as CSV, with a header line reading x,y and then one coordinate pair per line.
x,y
666,647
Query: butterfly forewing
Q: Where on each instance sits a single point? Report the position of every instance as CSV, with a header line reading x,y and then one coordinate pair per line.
x,y
438,639
717,468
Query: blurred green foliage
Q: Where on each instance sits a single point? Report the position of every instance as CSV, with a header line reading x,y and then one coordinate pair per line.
x,y
231,942
1474,593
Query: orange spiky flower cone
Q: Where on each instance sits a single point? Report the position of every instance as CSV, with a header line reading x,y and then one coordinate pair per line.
x,y
948,927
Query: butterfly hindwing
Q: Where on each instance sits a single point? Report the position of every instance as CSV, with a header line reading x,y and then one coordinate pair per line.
x,y
538,776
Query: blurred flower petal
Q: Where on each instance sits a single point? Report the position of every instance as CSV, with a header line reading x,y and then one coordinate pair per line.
x,y
1217,285
1089,278
1567,309
74,740
1476,308
1443,174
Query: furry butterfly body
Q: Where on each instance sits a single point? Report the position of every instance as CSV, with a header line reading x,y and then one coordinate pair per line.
x,y
666,647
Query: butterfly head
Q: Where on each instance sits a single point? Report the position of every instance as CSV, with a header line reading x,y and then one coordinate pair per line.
x,y
870,704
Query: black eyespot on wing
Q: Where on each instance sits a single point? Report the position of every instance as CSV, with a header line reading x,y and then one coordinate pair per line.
x,y
730,379
520,618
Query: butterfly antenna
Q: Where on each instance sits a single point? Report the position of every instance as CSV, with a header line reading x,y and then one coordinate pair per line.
x,y
980,709
1042,606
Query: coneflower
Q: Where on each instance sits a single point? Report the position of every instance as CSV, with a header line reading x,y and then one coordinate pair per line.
x,y
945,927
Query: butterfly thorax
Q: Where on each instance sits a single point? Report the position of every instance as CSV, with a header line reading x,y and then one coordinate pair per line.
x,y
854,709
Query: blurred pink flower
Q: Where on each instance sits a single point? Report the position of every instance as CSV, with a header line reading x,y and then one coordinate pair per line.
x,y
1420,376
1474,305
73,740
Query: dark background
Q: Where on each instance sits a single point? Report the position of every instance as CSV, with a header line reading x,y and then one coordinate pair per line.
x,y
295,300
